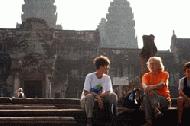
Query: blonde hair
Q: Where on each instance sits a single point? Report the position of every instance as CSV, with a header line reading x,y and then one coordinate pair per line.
x,y
156,60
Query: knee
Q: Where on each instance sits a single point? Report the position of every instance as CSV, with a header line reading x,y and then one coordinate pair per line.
x,y
89,97
88,101
180,100
145,98
112,97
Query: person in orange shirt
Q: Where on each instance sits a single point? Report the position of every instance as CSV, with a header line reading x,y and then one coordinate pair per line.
x,y
156,93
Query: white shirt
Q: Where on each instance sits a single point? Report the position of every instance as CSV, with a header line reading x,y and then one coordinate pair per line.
x,y
92,83
181,83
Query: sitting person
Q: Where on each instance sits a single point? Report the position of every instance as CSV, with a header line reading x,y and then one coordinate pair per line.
x,y
20,93
133,99
156,93
183,100
98,87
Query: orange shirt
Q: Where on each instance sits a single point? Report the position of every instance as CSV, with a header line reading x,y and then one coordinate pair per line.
x,y
153,79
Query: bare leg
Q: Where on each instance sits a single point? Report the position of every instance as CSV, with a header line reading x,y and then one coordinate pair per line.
x,y
180,107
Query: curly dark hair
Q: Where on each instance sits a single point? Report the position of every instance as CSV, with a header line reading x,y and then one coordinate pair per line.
x,y
101,61
186,66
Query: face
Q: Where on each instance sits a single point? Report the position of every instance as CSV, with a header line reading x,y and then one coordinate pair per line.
x,y
154,65
105,69
187,72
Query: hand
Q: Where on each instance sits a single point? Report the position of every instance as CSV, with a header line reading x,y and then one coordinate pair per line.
x,y
148,89
100,102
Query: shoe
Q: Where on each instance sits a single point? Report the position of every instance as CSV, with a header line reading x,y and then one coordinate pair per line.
x,y
89,122
179,124
158,114
148,123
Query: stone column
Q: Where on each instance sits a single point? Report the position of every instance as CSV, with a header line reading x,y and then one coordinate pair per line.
x,y
16,82
48,86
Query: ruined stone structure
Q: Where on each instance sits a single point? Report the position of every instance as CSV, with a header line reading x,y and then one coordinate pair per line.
x,y
32,50
53,63
5,66
76,50
43,9
123,63
180,47
48,62
117,30
180,50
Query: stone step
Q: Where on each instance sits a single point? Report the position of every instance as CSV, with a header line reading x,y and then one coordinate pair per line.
x,y
39,106
38,121
29,106
7,100
41,112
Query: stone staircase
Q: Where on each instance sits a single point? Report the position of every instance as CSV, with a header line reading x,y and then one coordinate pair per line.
x,y
41,112
67,112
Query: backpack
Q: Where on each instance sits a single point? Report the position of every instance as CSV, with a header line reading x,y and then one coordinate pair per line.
x,y
130,100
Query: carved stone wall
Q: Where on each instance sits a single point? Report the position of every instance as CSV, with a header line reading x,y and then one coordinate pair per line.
x,y
55,62
180,48
31,52
76,51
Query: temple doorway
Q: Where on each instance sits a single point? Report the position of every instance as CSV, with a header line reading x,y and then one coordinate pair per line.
x,y
33,88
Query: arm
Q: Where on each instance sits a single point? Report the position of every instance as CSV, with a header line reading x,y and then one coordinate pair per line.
x,y
87,85
87,92
153,87
96,96
104,93
107,87
181,93
163,82
180,88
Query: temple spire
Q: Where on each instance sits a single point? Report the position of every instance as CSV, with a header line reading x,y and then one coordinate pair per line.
x,y
43,9
173,42
118,30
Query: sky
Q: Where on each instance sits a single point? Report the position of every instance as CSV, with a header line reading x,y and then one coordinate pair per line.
x,y
158,17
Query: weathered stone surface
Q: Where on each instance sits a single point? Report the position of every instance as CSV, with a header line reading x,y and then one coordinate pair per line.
x,y
117,30
49,62
43,9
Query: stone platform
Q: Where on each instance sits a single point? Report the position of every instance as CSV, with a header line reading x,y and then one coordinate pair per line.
x,y
67,112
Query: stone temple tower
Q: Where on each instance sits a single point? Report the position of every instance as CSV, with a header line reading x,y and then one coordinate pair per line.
x,y
43,9
117,30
